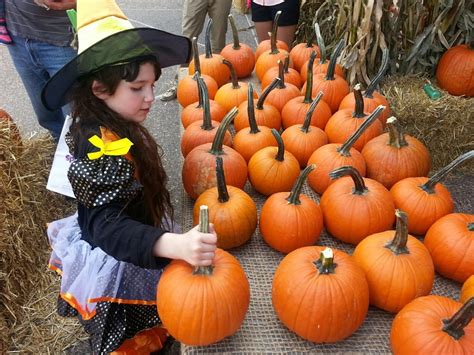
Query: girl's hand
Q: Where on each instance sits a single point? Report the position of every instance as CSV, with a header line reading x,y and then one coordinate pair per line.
x,y
194,247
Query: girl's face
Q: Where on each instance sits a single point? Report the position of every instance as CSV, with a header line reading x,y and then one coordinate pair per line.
x,y
132,99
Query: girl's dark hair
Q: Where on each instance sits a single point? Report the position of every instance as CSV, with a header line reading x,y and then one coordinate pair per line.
x,y
88,112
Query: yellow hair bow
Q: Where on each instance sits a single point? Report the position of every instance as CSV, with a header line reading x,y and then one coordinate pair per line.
x,y
118,147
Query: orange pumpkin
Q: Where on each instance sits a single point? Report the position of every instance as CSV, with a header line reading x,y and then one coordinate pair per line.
x,y
239,54
450,241
398,267
203,305
455,70
231,210
272,169
310,294
233,93
394,156
300,53
293,212
467,290
303,140
354,207
433,325
286,74
425,199
266,44
199,165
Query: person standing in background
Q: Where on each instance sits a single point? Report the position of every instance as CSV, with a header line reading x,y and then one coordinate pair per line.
x,y
263,13
41,34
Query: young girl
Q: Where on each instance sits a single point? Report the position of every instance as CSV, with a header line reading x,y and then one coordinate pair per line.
x,y
112,252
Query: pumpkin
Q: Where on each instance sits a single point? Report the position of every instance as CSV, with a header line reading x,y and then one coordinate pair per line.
x,y
265,114
450,241
425,199
294,213
346,121
303,140
211,64
187,90
195,111
272,169
231,210
372,98
320,294
354,207
203,305
394,156
333,86
294,111
398,267
455,70
286,74
239,54
332,156
266,44
300,53
467,290
233,93
249,140
433,325
199,165
321,66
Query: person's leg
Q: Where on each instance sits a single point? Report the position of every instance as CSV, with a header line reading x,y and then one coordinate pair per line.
x,y
194,15
261,17
288,21
219,13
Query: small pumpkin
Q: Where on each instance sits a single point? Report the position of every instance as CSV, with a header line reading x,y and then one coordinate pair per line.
x,y
393,156
239,54
354,207
285,73
433,325
310,294
467,290
233,93
398,267
272,169
203,305
300,53
450,241
266,44
426,199
293,212
231,210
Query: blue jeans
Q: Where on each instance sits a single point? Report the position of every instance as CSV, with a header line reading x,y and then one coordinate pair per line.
x,y
36,62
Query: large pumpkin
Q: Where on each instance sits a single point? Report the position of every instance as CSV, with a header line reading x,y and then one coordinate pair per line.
x,y
450,241
398,267
203,305
320,294
455,71
433,325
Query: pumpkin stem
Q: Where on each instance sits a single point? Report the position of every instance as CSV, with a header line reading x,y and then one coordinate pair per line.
x,y
251,111
359,184
307,120
203,228
309,43
395,133
197,61
294,197
265,93
437,177
207,39
456,324
325,263
216,147
309,78
206,118
273,36
235,33
470,227
196,77
281,146
281,74
233,75
321,45
286,64
223,193
378,77
345,148
399,243
359,102
333,59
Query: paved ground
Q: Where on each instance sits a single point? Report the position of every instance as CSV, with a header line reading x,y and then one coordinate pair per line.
x,y
163,121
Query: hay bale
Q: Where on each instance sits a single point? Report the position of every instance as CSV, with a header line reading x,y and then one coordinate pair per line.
x,y
28,290
445,125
